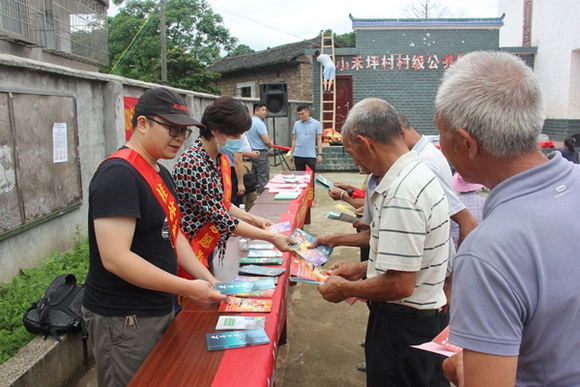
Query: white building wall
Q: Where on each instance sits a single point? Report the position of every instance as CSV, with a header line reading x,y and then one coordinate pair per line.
x,y
556,34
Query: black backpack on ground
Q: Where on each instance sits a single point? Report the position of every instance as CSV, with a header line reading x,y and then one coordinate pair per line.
x,y
58,311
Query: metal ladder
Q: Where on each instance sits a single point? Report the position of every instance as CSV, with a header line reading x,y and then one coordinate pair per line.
x,y
327,100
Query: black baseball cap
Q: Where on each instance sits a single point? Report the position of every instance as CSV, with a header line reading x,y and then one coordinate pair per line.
x,y
166,104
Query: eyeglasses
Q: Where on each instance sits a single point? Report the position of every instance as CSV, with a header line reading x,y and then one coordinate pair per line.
x,y
174,131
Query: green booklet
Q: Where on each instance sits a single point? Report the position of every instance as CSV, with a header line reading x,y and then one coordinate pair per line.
x,y
236,339
286,195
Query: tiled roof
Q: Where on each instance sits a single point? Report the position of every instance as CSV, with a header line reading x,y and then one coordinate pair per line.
x,y
268,57
430,23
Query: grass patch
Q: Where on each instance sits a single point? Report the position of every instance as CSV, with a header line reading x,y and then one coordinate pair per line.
x,y
28,287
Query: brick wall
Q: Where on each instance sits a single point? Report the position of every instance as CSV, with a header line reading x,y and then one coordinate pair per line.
x,y
558,130
412,91
334,158
297,74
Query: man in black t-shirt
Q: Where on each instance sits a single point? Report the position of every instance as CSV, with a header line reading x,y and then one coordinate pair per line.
x,y
131,283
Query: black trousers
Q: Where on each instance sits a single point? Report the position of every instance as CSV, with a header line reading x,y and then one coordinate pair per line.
x,y
390,359
301,162
237,200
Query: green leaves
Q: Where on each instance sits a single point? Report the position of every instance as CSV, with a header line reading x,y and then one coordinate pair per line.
x,y
195,37
28,287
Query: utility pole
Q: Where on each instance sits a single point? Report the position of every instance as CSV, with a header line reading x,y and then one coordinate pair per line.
x,y
163,46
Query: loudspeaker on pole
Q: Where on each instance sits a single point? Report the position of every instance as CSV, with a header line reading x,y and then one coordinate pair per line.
x,y
275,96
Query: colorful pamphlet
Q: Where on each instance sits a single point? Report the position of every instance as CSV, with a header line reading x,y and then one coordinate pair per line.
x,y
265,254
440,344
257,305
244,287
261,246
280,227
266,293
342,217
318,255
236,339
245,278
323,181
304,271
261,261
240,322
346,209
262,270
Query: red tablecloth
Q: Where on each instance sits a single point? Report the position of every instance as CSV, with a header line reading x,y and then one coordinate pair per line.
x,y
181,357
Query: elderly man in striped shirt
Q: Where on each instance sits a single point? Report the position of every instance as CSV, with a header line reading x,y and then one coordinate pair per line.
x,y
409,253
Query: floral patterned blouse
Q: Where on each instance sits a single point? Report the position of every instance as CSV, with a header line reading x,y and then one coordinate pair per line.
x,y
198,182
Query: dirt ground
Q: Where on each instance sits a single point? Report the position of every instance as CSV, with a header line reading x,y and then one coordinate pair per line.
x,y
322,347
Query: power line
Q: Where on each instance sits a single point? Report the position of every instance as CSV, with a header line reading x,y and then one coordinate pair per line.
x,y
233,13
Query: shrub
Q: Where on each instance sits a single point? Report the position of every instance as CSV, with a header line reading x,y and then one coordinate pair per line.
x,y
28,287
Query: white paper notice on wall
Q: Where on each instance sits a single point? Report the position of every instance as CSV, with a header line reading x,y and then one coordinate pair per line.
x,y
59,143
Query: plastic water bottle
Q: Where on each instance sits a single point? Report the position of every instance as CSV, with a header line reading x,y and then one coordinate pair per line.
x,y
242,207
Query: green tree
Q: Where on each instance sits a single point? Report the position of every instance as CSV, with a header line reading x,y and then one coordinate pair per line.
x,y
195,37
347,39
241,49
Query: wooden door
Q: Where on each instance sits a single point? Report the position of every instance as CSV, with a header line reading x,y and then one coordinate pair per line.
x,y
343,99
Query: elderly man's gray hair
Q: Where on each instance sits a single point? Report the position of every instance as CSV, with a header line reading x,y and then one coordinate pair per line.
x,y
496,97
374,118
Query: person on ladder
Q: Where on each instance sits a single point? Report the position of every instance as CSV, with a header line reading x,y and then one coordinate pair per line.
x,y
329,70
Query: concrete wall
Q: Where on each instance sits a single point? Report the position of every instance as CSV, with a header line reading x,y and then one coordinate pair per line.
x,y
100,121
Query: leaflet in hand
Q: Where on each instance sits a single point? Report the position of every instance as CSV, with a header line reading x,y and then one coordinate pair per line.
x,y
304,271
342,217
318,255
228,288
240,322
244,278
323,181
440,344
236,339
280,227
246,305
261,270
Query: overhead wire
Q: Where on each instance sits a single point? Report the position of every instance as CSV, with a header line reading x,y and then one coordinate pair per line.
x,y
141,29
255,21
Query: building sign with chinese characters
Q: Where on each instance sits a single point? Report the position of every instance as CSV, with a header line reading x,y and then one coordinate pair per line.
x,y
396,62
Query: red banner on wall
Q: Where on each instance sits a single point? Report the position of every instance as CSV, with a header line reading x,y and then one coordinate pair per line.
x,y
129,108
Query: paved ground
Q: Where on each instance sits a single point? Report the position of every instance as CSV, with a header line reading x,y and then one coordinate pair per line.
x,y
322,348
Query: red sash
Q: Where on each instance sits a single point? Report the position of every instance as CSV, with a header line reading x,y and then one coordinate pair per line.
x,y
158,187
206,239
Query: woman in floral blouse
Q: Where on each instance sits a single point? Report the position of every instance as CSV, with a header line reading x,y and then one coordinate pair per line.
x,y
202,178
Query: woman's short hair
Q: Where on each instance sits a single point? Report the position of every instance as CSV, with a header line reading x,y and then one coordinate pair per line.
x,y
226,114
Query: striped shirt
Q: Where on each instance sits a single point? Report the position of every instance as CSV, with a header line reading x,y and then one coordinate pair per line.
x,y
410,230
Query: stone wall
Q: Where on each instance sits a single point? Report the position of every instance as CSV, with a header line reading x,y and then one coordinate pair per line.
x,y
335,158
297,74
